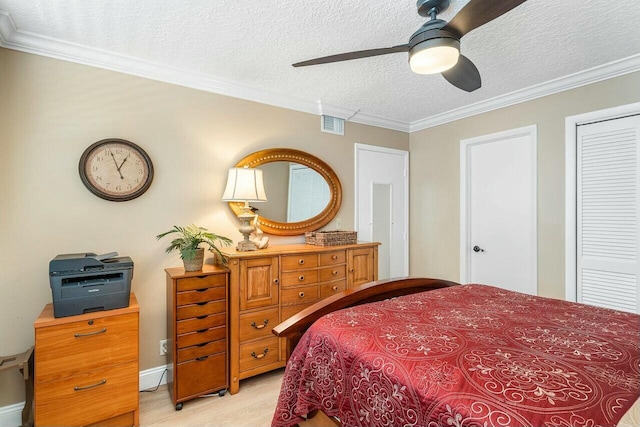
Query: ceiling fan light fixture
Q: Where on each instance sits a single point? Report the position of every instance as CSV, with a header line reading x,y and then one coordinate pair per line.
x,y
434,55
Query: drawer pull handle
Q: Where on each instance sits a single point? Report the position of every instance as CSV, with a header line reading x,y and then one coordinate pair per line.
x,y
334,257
301,278
202,317
201,358
201,277
334,272
202,303
260,326
351,270
259,356
301,261
200,331
301,294
201,290
335,288
88,334
276,281
76,388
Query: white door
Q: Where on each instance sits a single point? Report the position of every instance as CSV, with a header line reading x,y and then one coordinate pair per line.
x,y
498,210
607,200
382,205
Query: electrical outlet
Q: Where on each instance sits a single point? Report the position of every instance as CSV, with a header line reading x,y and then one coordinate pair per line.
x,y
163,347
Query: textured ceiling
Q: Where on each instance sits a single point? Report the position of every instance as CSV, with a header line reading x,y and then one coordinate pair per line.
x,y
253,44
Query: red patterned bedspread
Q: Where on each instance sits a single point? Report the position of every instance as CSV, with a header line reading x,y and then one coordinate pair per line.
x,y
471,355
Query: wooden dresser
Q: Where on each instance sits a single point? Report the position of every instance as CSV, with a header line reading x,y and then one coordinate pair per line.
x,y
270,285
86,368
197,347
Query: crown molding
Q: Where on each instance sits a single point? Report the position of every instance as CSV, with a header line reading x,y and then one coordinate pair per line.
x,y
12,38
571,81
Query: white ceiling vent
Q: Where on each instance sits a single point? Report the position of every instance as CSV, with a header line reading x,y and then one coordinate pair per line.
x,y
330,124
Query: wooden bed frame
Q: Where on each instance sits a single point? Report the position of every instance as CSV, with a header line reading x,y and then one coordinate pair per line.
x,y
293,328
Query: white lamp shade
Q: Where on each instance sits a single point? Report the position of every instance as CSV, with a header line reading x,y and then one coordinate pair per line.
x,y
434,56
244,185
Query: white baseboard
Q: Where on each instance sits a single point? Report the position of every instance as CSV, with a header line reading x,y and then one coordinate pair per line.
x,y
11,415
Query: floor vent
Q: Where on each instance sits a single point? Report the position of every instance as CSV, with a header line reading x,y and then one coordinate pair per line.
x,y
330,124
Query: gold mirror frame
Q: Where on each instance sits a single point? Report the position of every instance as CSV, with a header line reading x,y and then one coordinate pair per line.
x,y
258,158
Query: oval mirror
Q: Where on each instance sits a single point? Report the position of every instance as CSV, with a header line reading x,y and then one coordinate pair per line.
x,y
303,192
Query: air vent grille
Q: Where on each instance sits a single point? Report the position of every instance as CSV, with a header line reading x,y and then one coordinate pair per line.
x,y
330,124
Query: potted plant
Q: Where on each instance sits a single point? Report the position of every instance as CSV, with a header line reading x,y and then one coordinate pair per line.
x,y
188,243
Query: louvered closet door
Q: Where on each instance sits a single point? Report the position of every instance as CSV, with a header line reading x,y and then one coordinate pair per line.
x,y
607,214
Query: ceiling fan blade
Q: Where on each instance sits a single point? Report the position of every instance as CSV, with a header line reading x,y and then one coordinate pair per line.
x,y
464,75
479,12
354,55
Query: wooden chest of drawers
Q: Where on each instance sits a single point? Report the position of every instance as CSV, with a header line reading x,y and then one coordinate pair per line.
x,y
197,332
270,285
86,368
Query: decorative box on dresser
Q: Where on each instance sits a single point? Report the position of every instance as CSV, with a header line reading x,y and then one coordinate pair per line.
x,y
197,347
86,368
270,285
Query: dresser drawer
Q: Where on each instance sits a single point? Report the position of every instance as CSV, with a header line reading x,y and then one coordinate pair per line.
x,y
259,353
199,323
332,258
201,295
297,262
206,375
291,310
202,350
303,277
202,336
77,347
200,282
258,324
333,273
331,288
301,295
201,309
88,397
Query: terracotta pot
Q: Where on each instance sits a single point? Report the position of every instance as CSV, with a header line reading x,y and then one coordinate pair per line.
x,y
196,263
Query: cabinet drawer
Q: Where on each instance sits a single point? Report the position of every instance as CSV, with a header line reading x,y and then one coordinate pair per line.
x,y
332,258
258,324
201,309
259,353
328,289
333,273
201,350
199,323
291,310
197,377
201,282
297,262
301,295
303,277
87,345
100,394
202,336
201,295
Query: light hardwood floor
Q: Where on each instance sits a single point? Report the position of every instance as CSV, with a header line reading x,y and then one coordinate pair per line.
x,y
253,406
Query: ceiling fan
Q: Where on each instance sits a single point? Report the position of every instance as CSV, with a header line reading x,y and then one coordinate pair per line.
x,y
435,47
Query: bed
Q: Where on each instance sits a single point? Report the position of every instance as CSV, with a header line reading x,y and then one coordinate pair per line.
x,y
426,352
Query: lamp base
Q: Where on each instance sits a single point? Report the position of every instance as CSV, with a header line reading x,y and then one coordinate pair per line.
x,y
246,245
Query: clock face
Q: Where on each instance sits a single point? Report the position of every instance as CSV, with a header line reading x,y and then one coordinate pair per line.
x,y
116,170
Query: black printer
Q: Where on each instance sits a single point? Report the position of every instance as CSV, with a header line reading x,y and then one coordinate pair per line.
x,y
82,283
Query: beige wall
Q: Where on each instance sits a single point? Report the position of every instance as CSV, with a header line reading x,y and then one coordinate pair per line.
x,y
52,110
435,178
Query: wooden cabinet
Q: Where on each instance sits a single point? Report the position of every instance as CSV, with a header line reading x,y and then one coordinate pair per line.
x,y
197,343
86,368
270,285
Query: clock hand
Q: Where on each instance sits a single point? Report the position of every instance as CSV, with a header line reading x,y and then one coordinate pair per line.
x,y
125,159
116,163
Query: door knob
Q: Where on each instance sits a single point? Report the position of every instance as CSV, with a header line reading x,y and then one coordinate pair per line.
x,y
478,249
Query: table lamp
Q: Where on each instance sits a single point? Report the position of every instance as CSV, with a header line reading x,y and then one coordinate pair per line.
x,y
245,185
